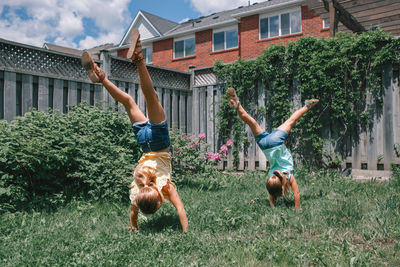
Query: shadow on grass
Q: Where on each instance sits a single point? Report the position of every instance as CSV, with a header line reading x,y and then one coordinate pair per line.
x,y
161,223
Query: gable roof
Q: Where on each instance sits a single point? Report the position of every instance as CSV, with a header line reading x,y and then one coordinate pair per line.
x,y
160,25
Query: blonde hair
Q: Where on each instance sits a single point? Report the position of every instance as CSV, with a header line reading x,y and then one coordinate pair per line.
x,y
149,200
277,184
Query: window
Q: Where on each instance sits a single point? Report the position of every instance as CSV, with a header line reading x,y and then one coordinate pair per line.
x,y
273,25
325,24
225,39
184,48
148,54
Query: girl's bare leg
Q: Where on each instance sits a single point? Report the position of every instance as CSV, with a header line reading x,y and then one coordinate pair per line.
x,y
249,120
155,110
134,113
243,115
288,124
98,76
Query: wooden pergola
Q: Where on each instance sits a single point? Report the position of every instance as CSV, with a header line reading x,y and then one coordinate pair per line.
x,y
358,15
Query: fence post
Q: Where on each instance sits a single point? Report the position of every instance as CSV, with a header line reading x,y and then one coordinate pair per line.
x,y
387,85
262,160
27,92
10,95
106,67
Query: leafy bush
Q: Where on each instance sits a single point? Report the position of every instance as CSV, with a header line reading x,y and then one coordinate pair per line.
x,y
48,158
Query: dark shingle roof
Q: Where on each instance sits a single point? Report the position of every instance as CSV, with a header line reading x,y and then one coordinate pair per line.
x,y
74,51
221,17
162,25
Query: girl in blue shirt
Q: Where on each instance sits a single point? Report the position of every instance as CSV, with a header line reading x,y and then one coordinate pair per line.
x,y
281,174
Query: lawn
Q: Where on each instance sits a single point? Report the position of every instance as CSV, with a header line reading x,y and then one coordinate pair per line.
x,y
341,222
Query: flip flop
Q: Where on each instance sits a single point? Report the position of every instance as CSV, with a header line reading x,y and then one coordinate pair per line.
x,y
232,98
311,102
88,64
133,52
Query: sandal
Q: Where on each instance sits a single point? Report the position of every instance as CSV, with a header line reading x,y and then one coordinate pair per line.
x,y
311,102
232,98
135,49
96,75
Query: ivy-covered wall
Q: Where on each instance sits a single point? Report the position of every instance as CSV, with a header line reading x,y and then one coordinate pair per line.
x,y
343,72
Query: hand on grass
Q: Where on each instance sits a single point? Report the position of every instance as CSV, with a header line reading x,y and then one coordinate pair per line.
x,y
131,228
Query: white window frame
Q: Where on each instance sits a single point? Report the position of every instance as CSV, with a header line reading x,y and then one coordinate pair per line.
x,y
147,48
325,24
269,15
184,50
226,29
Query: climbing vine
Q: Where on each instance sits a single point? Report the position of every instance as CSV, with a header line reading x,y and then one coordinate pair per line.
x,y
344,72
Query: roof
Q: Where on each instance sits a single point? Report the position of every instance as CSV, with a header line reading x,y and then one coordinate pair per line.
x,y
62,49
161,24
169,29
74,51
229,16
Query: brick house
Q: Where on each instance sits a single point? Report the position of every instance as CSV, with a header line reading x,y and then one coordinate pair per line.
x,y
243,32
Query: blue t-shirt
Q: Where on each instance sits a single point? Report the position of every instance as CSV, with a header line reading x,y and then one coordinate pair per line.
x,y
280,159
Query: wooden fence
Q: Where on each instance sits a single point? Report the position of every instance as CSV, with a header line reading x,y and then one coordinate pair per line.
x,y
374,149
43,79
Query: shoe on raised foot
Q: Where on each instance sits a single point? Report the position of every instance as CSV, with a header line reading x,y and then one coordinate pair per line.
x,y
96,75
311,102
232,98
135,49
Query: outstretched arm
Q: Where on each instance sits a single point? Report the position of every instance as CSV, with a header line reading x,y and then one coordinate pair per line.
x,y
176,201
296,192
133,218
272,200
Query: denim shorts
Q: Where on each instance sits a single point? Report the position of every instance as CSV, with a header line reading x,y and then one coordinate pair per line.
x,y
152,136
275,138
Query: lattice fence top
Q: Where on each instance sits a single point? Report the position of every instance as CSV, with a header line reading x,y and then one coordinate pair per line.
x,y
40,61
126,70
204,77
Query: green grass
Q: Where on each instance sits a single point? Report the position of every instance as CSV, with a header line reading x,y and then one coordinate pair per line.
x,y
341,222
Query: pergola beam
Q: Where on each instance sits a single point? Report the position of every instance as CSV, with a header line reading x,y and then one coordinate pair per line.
x,y
338,13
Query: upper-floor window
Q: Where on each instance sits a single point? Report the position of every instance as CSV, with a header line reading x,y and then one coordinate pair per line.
x,y
225,38
148,54
325,23
184,47
278,24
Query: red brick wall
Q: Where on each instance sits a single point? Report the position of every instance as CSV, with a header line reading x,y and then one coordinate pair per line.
x,y
249,44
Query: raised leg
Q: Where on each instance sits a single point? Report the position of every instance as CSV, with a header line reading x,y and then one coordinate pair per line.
x,y
288,124
97,75
243,115
155,110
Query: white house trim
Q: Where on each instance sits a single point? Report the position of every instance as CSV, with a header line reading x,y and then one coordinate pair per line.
x,y
127,34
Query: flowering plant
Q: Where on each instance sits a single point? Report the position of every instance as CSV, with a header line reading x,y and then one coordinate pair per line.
x,y
189,153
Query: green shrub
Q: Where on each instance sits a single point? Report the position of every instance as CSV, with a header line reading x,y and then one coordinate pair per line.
x,y
48,158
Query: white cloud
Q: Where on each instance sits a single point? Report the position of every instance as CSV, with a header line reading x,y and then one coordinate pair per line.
x,y
63,21
206,7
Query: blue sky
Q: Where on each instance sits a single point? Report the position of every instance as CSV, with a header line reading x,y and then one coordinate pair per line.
x,y
87,23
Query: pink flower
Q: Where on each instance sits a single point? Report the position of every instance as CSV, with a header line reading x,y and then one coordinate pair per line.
x,y
203,157
223,149
202,135
184,137
217,156
229,142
